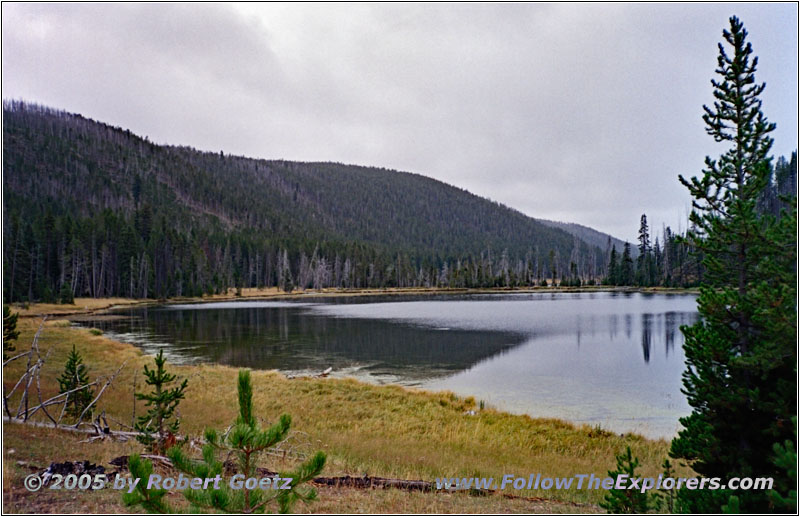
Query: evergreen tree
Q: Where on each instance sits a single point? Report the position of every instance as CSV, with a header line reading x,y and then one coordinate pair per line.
x,y
665,497
625,500
613,268
151,499
159,421
741,356
74,376
10,332
65,295
643,260
785,498
626,266
247,441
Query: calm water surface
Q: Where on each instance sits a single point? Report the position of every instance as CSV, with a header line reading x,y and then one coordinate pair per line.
x,y
611,359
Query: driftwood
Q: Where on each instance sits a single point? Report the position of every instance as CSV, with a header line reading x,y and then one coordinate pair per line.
x,y
94,428
327,371
106,385
31,377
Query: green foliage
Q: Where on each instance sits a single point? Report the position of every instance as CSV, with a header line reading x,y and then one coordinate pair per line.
x,y
612,274
666,497
785,498
624,500
246,441
10,332
626,271
74,376
115,227
159,421
152,500
741,355
65,295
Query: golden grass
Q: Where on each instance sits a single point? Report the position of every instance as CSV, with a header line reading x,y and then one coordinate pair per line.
x,y
387,431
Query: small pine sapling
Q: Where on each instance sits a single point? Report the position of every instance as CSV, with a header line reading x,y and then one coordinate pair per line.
x,y
160,422
666,497
246,440
151,500
74,376
625,500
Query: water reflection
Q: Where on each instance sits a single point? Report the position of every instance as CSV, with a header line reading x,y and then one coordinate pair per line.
x,y
586,357
295,339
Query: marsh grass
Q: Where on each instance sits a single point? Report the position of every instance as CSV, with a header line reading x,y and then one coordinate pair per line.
x,y
387,431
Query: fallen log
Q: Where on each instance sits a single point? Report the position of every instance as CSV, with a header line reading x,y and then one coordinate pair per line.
x,y
375,482
93,429
535,499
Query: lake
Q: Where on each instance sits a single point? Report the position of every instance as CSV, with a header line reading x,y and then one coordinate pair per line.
x,y
609,359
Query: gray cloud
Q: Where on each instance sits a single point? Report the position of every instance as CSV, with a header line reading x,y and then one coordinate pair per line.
x,y
578,112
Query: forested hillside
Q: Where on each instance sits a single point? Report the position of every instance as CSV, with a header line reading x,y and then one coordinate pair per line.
x,y
588,235
94,210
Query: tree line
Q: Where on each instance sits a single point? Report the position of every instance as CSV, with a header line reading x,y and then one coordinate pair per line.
x,y
672,260
94,210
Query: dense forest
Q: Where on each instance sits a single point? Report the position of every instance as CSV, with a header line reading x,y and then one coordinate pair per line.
x,y
94,210
672,261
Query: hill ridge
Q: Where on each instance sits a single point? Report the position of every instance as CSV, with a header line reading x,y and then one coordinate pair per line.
x,y
224,214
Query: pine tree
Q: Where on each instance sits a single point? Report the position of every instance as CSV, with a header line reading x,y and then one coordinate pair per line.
x,y
10,332
65,295
626,266
612,275
247,441
665,497
159,421
74,376
643,260
785,498
151,499
625,500
741,356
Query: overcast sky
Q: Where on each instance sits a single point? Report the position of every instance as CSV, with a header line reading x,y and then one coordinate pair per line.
x,y
577,112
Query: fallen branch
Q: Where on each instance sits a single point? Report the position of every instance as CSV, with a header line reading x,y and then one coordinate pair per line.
x,y
106,385
327,371
54,400
92,429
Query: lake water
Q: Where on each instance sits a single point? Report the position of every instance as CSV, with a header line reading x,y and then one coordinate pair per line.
x,y
609,359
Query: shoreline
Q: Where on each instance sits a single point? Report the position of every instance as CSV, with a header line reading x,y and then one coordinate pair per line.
x,y
379,430
98,309
100,305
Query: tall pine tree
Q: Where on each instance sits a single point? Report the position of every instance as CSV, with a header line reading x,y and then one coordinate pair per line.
x,y
740,377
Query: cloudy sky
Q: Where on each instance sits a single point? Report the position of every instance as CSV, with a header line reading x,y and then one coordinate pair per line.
x,y
576,112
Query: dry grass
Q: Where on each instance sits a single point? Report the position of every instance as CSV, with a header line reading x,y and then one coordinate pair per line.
x,y
386,431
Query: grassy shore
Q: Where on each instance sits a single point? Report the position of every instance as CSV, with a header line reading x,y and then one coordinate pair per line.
x,y
93,305
386,431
